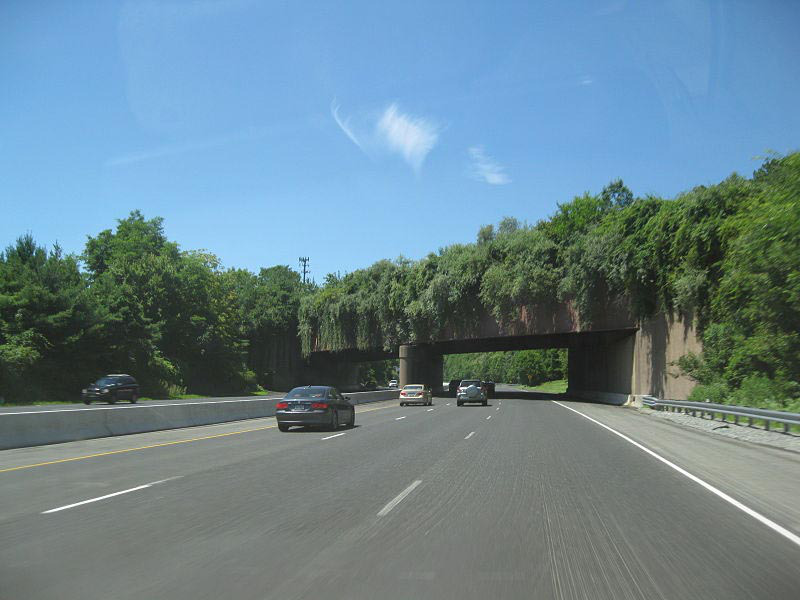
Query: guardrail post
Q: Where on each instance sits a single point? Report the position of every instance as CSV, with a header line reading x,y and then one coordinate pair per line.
x,y
766,424
785,428
735,419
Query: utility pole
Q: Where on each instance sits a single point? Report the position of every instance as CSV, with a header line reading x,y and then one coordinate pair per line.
x,y
304,266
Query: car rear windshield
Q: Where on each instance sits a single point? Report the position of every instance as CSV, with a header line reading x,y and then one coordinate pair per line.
x,y
307,392
469,382
413,387
108,380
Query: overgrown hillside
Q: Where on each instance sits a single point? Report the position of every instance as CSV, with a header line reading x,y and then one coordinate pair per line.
x,y
727,253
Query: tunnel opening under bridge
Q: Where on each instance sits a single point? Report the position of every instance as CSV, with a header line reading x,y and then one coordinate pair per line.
x,y
598,363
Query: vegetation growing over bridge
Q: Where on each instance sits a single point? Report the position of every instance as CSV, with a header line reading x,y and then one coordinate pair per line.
x,y
727,253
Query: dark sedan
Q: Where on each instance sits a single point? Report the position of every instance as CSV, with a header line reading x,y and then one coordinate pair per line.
x,y
315,406
112,388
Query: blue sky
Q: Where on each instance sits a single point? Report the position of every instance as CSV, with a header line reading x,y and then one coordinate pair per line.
x,y
354,131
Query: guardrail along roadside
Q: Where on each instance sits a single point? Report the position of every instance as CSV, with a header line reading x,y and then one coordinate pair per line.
x,y
753,415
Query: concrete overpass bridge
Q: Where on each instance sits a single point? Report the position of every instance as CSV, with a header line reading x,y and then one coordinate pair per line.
x,y
613,358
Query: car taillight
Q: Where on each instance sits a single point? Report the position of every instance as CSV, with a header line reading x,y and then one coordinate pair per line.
x,y
402,393
318,405
281,406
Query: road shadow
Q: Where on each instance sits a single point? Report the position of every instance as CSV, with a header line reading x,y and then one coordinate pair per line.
x,y
523,395
313,429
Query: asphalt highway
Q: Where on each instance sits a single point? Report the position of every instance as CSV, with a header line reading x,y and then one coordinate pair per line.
x,y
525,498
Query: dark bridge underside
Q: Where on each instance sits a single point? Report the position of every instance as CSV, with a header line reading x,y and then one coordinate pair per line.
x,y
529,342
489,344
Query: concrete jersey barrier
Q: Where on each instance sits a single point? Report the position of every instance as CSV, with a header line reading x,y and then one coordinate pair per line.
x,y
21,430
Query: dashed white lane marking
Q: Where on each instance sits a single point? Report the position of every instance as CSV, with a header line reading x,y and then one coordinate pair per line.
x,y
330,437
398,499
469,435
716,491
489,417
429,410
399,418
448,404
90,500
498,408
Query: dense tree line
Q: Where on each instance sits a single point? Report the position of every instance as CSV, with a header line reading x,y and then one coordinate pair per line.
x,y
528,367
135,302
728,254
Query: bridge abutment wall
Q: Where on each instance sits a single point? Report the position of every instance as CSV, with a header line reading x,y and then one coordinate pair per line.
x,y
620,369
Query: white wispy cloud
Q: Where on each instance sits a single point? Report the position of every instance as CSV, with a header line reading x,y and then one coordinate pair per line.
x,y
344,124
410,136
485,168
391,131
183,148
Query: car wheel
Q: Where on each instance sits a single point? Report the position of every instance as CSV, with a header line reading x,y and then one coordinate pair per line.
x,y
283,427
352,422
459,403
486,403
402,404
112,399
134,399
334,421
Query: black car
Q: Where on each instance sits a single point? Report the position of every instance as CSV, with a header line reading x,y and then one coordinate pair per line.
x,y
112,388
489,388
453,386
315,406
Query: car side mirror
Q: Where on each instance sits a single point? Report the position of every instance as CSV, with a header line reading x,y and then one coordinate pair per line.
x,y
347,397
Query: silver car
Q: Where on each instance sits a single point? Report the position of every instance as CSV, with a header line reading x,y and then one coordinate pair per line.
x,y
471,390
416,393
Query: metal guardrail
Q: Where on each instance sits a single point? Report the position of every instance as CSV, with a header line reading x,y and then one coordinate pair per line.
x,y
737,412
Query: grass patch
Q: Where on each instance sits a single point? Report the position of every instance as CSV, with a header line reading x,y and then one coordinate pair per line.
x,y
559,386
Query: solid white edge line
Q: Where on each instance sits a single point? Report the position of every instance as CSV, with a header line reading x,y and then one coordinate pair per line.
x,y
792,537
399,418
469,435
330,437
398,499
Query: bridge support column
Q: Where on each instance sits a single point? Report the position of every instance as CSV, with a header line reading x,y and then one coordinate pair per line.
x,y
419,364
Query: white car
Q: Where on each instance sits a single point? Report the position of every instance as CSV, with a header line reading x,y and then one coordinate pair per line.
x,y
393,384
